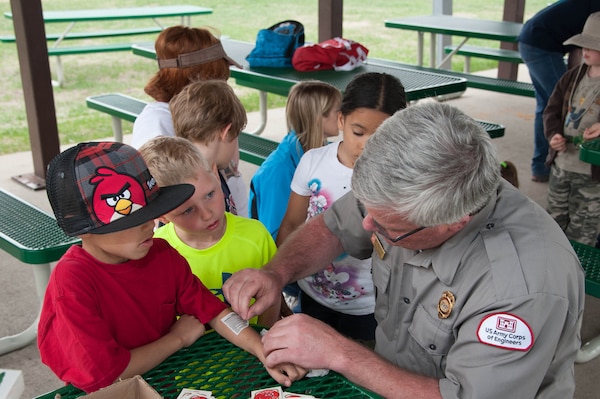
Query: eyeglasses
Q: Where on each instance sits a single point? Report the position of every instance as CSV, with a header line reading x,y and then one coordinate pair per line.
x,y
380,228
382,231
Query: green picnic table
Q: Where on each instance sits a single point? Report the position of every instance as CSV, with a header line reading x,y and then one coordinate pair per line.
x,y
502,31
214,364
73,17
418,84
106,14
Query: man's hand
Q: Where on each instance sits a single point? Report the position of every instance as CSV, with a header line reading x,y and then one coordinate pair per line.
x,y
558,142
305,341
188,329
286,373
246,284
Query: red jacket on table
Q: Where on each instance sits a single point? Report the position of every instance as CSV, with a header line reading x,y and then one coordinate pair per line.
x,y
94,313
558,107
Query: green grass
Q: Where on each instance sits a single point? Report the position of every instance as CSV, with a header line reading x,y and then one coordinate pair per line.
x,y
126,73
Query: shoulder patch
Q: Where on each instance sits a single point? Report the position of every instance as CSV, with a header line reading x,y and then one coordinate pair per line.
x,y
505,330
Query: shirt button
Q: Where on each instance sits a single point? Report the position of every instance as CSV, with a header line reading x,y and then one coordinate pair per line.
x,y
432,347
406,300
489,226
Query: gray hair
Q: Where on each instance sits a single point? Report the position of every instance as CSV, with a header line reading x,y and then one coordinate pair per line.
x,y
430,163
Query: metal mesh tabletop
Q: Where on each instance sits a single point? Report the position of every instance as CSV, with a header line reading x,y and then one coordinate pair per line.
x,y
418,84
125,107
589,257
214,364
505,31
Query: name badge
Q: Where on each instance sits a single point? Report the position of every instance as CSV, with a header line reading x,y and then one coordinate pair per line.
x,y
377,246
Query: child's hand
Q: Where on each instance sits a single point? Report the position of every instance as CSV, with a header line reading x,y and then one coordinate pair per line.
x,y
286,373
558,142
592,132
187,329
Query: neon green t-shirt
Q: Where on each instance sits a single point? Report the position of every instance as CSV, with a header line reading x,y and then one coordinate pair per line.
x,y
245,244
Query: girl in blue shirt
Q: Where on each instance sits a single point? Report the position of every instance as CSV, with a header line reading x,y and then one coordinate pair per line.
x,y
311,113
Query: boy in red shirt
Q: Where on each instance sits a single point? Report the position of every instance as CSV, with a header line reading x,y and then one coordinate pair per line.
x,y
111,305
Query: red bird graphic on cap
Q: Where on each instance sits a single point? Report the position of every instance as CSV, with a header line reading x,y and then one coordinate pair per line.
x,y
115,195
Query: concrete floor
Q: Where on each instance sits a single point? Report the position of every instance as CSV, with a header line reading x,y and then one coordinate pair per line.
x,y
19,303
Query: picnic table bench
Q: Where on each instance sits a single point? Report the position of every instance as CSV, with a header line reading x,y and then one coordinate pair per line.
x,y
73,17
253,148
32,236
506,86
496,54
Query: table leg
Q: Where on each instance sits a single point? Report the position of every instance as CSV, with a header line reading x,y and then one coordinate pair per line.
x,y
262,101
420,48
59,68
454,52
41,274
186,20
432,51
157,22
64,34
60,75
589,350
117,127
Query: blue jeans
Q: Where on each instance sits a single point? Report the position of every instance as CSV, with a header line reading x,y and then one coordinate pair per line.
x,y
545,69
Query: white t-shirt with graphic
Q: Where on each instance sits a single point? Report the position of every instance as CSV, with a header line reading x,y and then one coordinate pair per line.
x,y
345,285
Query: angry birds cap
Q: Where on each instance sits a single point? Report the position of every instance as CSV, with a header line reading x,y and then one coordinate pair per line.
x,y
104,187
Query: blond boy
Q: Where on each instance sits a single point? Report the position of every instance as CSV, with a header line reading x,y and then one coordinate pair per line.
x,y
210,115
215,243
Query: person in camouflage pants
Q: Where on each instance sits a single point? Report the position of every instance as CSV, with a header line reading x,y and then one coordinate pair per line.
x,y
571,118
573,201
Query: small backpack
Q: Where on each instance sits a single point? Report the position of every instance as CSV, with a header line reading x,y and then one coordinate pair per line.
x,y
275,46
337,53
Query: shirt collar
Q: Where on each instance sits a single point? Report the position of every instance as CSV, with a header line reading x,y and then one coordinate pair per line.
x,y
445,259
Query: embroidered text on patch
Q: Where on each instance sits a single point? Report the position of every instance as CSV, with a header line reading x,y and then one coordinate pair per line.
x,y
505,330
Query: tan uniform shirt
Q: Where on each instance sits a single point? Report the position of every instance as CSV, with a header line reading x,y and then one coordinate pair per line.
x,y
518,290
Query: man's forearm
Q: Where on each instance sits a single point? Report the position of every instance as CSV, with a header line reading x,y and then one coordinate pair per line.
x,y
364,367
307,250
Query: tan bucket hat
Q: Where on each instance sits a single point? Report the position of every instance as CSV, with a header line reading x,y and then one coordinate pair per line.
x,y
590,37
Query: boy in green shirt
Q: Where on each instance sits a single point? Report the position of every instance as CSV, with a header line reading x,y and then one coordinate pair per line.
x,y
215,243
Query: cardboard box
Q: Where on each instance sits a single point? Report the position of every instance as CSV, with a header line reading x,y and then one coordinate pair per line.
x,y
131,388
11,384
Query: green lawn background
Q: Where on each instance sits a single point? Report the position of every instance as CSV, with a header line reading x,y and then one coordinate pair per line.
x,y
124,72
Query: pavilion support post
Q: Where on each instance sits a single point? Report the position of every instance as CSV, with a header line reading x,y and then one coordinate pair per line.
x,y
37,88
514,11
330,19
442,7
